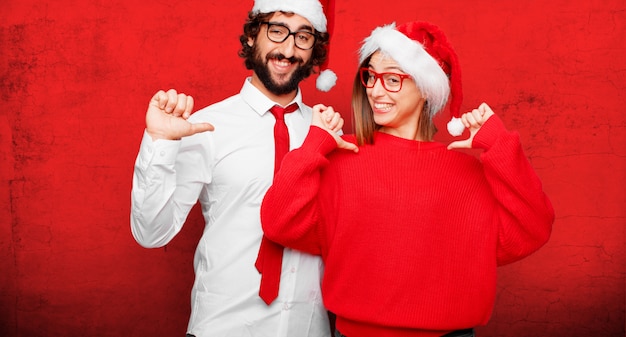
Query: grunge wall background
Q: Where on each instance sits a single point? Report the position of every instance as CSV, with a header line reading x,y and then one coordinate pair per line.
x,y
75,80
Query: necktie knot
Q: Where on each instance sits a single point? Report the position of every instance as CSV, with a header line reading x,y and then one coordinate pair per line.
x,y
279,112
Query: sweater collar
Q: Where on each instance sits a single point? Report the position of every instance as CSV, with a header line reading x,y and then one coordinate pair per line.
x,y
405,143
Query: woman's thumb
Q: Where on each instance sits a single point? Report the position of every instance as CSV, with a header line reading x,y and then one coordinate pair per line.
x,y
460,144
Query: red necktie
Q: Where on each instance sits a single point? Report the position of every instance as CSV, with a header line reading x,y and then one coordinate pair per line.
x,y
270,259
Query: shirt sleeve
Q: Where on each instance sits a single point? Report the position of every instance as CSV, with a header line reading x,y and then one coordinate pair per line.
x,y
525,214
290,213
167,181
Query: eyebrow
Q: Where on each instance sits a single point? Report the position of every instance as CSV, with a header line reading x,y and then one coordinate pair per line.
x,y
388,69
301,28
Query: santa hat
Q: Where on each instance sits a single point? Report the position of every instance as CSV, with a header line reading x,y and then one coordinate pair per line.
x,y
423,51
319,13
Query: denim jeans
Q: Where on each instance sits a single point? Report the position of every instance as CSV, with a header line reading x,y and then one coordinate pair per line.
x,y
457,333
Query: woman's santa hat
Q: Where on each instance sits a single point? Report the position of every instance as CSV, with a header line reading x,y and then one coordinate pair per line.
x,y
423,51
319,13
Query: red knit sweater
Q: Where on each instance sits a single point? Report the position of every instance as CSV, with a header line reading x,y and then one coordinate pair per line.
x,y
411,233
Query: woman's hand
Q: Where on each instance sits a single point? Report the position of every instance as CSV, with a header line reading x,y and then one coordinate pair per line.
x,y
472,120
326,118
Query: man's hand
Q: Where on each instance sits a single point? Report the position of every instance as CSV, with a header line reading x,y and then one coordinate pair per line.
x,y
473,121
331,121
167,116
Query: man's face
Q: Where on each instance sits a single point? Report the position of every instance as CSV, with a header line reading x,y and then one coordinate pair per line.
x,y
281,66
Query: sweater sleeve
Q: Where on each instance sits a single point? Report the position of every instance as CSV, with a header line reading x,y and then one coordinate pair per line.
x,y
525,214
289,212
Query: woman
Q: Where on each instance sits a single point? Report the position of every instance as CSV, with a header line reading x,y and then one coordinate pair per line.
x,y
411,231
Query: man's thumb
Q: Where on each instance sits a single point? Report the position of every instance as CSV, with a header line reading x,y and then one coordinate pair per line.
x,y
201,127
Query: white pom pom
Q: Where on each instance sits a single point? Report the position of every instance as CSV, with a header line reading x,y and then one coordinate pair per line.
x,y
455,127
326,80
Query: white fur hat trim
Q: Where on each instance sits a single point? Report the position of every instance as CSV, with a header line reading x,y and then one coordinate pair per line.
x,y
414,59
309,9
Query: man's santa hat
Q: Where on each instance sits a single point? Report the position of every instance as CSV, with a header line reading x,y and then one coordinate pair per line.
x,y
319,13
423,51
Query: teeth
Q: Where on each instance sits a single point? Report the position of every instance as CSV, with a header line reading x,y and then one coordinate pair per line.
x,y
282,63
382,106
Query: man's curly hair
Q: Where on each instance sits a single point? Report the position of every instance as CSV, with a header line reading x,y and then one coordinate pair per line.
x,y
251,29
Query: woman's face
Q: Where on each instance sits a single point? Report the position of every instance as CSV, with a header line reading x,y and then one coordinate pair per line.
x,y
397,113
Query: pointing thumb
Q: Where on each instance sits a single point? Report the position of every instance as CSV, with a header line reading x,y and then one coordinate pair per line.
x,y
201,127
460,144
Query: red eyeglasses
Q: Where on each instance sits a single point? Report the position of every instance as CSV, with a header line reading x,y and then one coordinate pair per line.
x,y
392,82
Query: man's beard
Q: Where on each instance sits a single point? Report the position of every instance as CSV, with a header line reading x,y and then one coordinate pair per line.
x,y
263,73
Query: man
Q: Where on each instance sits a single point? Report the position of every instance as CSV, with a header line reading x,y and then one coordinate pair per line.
x,y
228,170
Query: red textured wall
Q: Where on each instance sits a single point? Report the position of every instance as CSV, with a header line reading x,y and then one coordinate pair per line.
x,y
75,81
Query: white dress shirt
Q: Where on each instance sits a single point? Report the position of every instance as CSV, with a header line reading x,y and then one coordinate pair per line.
x,y
228,170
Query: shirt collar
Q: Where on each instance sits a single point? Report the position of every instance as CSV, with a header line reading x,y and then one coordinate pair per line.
x,y
260,103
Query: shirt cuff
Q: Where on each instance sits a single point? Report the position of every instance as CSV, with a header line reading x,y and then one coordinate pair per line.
x,y
160,151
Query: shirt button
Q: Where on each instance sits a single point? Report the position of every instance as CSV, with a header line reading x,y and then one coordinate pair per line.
x,y
293,270
286,306
162,153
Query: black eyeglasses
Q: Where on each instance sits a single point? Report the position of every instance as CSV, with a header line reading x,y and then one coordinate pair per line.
x,y
277,32
392,82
